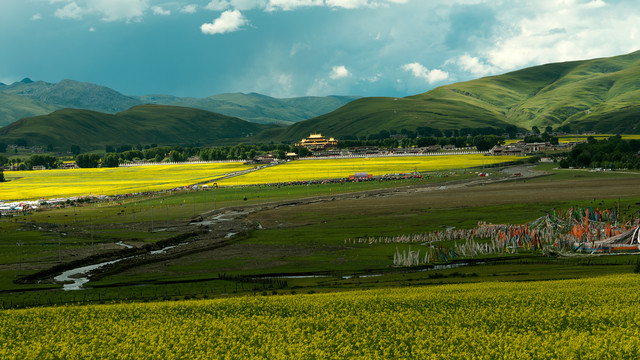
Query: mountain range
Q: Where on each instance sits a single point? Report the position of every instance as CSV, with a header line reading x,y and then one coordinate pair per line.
x,y
601,95
28,98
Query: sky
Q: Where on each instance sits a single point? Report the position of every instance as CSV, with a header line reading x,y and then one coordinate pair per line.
x,y
290,48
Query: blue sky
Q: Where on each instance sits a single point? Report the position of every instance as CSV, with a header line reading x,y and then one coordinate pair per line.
x,y
287,48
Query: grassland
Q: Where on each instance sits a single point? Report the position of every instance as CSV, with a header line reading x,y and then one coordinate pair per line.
x,y
305,237
587,318
522,306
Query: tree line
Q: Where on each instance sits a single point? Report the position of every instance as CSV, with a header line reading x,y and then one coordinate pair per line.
x,y
611,153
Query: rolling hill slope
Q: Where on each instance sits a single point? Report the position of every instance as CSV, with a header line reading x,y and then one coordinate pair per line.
x,y
257,108
143,124
601,95
31,98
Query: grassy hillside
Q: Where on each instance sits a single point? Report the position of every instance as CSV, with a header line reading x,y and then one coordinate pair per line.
x,y
27,98
14,107
144,124
256,107
72,94
600,95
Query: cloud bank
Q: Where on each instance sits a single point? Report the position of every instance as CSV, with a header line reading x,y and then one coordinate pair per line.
x,y
421,72
229,21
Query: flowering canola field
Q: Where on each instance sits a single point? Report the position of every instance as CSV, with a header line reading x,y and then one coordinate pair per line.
x,y
303,170
26,185
592,318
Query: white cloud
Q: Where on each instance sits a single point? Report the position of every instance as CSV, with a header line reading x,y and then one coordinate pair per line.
x,y
92,29
561,31
297,47
158,10
110,10
347,4
36,17
355,4
229,21
69,11
219,5
189,9
339,72
113,10
474,66
373,79
320,87
288,5
421,72
594,4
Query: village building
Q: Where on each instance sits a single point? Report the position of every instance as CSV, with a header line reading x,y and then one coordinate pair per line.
x,y
69,165
317,142
292,156
262,160
521,148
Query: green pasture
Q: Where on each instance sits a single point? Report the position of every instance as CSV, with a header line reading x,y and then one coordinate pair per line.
x,y
316,246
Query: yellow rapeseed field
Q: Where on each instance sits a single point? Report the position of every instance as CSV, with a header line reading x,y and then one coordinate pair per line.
x,y
303,170
25,185
573,138
569,138
595,318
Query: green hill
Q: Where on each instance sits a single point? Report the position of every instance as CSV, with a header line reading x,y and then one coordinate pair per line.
x,y
256,107
14,107
27,98
601,95
143,124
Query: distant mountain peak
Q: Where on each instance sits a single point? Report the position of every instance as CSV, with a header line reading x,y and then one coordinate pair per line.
x,y
26,81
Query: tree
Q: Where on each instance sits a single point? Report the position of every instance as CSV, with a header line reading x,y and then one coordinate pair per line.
x,y
111,160
2,176
50,162
535,130
88,160
3,160
3,147
109,149
512,130
303,151
75,149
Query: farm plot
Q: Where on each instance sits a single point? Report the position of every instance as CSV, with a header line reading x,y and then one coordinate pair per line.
x,y
26,185
588,318
304,170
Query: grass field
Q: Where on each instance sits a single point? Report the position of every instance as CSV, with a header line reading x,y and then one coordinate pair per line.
x,y
341,168
588,318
